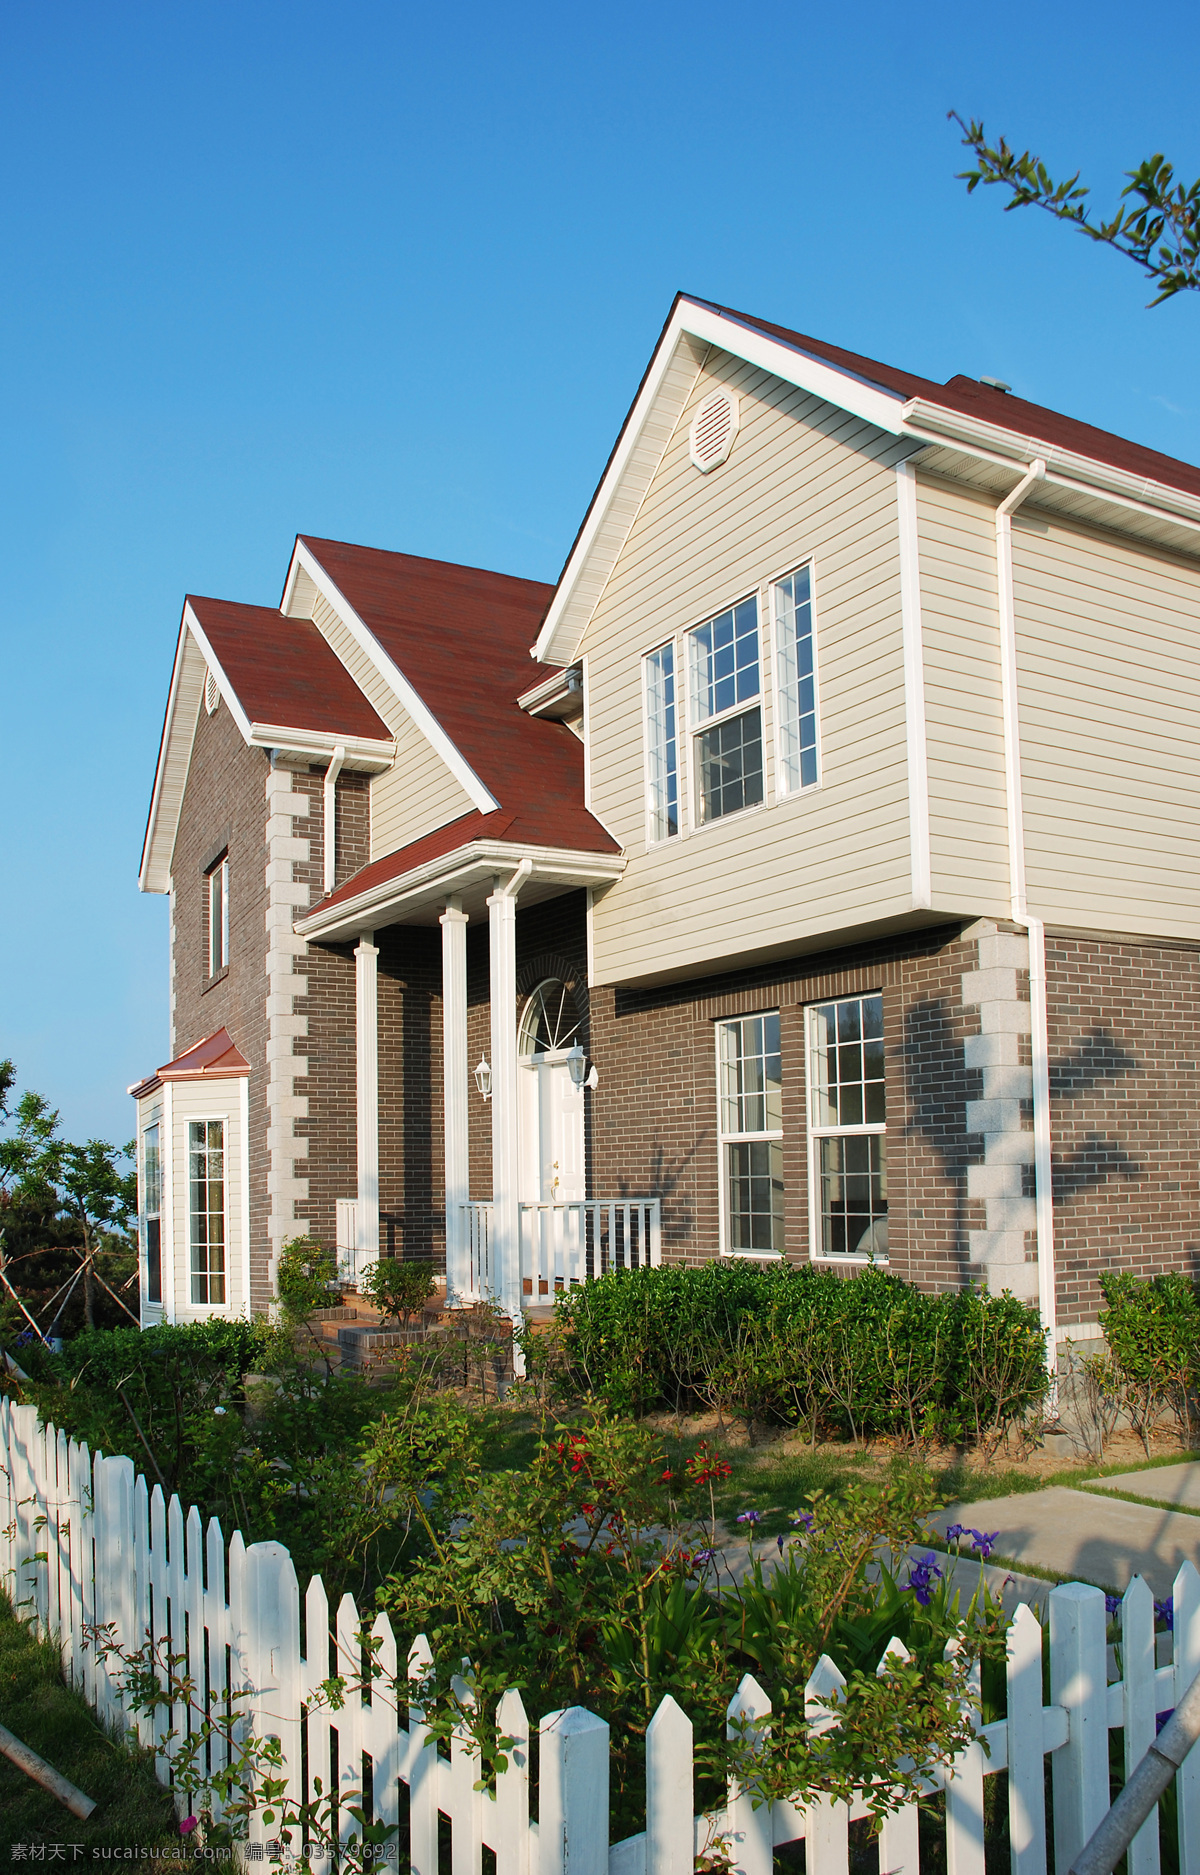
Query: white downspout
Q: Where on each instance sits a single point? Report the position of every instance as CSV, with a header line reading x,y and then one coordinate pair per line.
x,y
1019,910
329,838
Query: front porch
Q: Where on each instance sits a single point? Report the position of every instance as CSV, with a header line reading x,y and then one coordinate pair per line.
x,y
540,1231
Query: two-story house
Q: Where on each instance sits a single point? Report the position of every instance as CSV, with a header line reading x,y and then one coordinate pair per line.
x,y
824,885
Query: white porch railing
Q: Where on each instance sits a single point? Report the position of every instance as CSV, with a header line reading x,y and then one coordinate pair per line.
x,y
565,1244
347,1246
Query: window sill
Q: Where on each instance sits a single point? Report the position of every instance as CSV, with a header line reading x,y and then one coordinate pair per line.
x,y
862,1263
753,1256
210,983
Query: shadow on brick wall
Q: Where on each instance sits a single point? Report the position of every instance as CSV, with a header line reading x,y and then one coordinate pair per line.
x,y
938,1085
1098,1059
678,1219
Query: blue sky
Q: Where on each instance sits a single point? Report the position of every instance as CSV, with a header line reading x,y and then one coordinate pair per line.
x,y
392,274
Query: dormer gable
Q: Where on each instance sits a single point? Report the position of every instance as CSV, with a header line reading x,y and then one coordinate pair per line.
x,y
284,689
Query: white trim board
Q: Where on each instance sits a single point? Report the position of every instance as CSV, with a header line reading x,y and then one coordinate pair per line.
x,y
914,687
404,693
692,330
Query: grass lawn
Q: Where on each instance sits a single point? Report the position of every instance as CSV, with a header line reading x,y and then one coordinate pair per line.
x,y
132,1810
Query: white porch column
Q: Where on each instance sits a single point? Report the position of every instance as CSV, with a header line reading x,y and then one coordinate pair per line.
x,y
454,1086
506,1245
366,962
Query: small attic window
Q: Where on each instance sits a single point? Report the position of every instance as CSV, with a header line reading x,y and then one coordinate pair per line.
x,y
212,696
714,427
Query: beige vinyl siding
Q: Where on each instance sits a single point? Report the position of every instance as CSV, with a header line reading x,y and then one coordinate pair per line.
x,y
418,793
344,645
1108,657
803,480
964,722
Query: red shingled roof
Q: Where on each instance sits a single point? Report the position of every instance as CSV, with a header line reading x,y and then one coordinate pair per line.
x,y
284,672
974,399
216,1058
574,830
461,636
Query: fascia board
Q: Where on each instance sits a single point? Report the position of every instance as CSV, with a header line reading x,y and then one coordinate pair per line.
x,y
928,422
289,584
480,796
479,858
154,874
223,684
560,636
362,752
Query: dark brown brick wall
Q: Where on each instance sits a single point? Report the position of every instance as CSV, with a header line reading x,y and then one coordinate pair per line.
x,y
1125,1112
412,1185
655,1110
330,1084
224,805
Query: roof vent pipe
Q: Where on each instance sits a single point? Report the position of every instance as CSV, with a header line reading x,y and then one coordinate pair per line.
x,y
329,823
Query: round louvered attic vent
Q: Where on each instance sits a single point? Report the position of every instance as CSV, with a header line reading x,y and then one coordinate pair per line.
x,y
212,696
714,427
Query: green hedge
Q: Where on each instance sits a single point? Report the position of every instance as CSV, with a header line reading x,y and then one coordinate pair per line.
x,y
858,1357
1153,1362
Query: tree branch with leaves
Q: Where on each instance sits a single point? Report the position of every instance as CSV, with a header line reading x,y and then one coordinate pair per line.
x,y
1156,224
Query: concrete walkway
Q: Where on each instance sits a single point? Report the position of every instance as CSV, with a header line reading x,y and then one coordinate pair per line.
x,y
1087,1537
1167,1484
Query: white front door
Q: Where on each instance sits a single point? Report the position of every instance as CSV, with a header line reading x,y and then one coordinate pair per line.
x,y
552,1133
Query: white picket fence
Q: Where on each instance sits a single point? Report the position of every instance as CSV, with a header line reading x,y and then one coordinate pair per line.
x,y
84,1544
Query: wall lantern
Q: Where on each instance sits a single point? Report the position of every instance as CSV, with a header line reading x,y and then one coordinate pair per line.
x,y
483,1077
577,1063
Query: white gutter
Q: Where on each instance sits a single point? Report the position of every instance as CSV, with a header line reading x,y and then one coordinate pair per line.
x,y
455,871
1019,908
928,422
329,823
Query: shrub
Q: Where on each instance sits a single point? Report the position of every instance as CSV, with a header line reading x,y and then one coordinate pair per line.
x,y
805,1346
1153,1332
583,1579
306,1278
398,1290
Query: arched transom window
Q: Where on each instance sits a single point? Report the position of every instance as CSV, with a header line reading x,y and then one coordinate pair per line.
x,y
551,1020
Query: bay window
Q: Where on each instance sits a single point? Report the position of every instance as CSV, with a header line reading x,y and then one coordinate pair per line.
x,y
847,1128
206,1220
751,1135
152,1211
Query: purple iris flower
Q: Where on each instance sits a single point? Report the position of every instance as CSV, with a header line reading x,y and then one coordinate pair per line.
x,y
984,1543
803,1521
955,1531
1112,1605
779,1542
750,1516
1165,1611
920,1579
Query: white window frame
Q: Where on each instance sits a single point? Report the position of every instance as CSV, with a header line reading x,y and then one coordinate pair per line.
x,y
225,1121
811,787
652,838
771,1135
697,727
148,1216
218,960
815,1133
